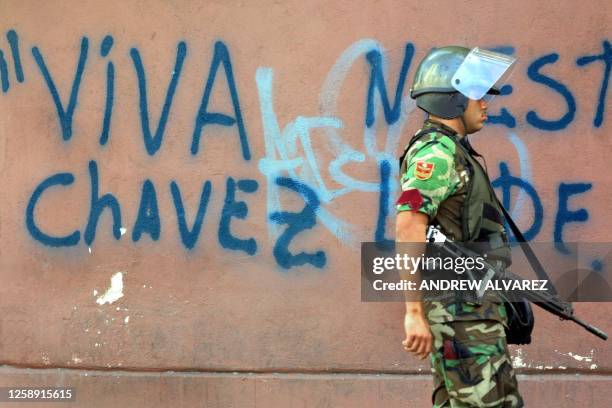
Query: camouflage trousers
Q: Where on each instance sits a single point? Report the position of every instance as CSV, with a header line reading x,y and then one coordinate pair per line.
x,y
471,366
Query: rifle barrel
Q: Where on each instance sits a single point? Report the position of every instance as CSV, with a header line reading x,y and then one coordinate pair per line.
x,y
591,329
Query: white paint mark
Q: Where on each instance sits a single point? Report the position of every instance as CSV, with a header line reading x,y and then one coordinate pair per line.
x,y
74,308
76,359
548,367
123,230
593,366
517,361
576,357
89,248
126,320
115,292
86,330
97,345
95,292
45,359
144,286
562,368
99,332
580,358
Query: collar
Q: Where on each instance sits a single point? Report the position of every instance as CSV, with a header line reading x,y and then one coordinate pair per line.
x,y
449,131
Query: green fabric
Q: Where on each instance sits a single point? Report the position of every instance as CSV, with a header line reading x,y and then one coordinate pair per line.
x,y
471,366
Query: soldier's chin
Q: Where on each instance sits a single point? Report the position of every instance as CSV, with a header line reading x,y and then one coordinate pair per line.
x,y
476,127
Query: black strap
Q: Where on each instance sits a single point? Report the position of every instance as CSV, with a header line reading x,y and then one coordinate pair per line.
x,y
531,256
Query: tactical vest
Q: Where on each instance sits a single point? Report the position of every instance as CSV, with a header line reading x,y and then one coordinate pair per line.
x,y
472,215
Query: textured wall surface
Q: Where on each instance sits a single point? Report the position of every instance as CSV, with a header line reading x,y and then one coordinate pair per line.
x,y
185,186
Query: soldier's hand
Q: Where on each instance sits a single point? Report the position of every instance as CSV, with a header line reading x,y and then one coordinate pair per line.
x,y
418,336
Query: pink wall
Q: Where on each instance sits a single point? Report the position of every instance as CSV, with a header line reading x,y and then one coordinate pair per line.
x,y
243,299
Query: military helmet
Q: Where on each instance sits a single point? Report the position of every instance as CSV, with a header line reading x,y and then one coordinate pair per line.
x,y
432,87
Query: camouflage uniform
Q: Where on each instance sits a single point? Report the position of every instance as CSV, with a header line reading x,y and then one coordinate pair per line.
x,y
470,359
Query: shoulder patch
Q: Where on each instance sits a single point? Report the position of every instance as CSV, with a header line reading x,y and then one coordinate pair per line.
x,y
423,170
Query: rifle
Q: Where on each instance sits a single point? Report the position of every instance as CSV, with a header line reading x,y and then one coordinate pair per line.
x,y
552,303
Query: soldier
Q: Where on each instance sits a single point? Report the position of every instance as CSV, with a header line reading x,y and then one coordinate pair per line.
x,y
444,185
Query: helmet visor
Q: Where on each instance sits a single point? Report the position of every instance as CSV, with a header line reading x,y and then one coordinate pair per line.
x,y
480,71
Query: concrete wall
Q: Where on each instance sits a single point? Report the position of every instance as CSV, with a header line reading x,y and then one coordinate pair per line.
x,y
217,164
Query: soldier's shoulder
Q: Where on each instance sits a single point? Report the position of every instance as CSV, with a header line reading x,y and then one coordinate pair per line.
x,y
436,143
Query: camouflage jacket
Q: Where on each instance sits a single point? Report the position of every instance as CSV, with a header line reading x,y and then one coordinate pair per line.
x,y
435,183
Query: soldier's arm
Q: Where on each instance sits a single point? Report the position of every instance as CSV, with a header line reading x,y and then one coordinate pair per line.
x,y
430,177
410,227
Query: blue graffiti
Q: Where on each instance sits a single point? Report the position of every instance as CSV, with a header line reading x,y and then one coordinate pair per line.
x,y
65,116
281,156
534,74
107,44
606,57
282,151
345,154
13,39
98,205
147,221
4,73
289,150
565,215
504,49
220,57
383,203
60,179
237,209
190,237
297,222
506,181
105,48
504,118
153,143
597,265
377,81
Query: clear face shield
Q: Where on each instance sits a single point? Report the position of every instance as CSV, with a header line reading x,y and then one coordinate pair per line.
x,y
482,74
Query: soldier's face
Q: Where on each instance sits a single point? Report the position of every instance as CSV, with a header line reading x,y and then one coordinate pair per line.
x,y
475,115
